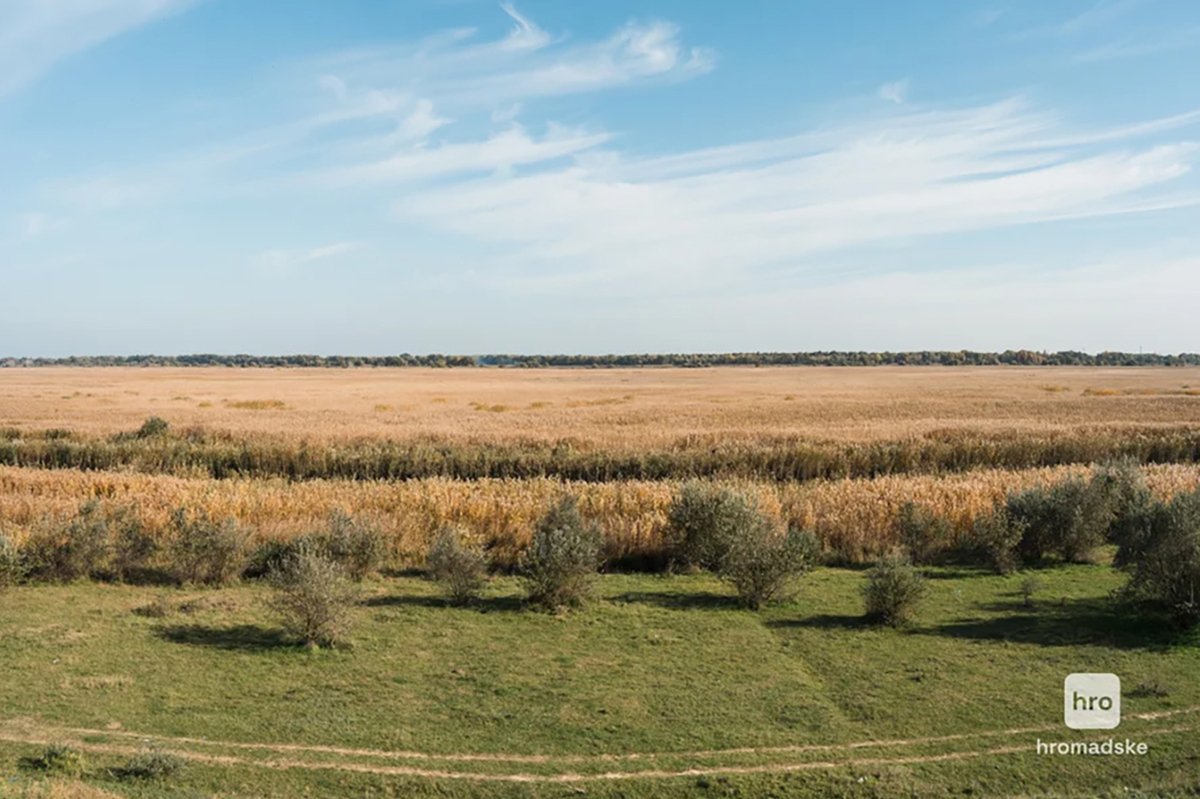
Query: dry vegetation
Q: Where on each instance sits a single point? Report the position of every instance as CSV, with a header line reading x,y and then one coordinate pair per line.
x,y
613,409
854,519
926,435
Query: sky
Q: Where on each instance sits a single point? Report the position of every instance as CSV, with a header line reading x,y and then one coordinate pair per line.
x,y
372,176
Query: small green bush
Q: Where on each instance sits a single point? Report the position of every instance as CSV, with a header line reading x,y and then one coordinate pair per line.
x,y
205,551
1163,559
1069,519
563,558
460,571
270,555
893,591
704,521
995,538
133,549
313,598
65,553
1029,587
151,764
152,427
60,759
1134,508
353,544
923,534
763,565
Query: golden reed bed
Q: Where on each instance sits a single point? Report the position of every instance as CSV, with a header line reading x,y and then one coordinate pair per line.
x,y
617,409
853,518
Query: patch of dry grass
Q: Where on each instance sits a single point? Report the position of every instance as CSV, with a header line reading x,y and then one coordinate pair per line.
x,y
256,405
853,518
625,410
60,789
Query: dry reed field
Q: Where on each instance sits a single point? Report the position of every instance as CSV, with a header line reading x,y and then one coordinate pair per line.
x,y
413,449
854,519
616,409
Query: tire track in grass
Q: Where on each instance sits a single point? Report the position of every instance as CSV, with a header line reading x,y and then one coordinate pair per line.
x,y
570,777
604,757
32,733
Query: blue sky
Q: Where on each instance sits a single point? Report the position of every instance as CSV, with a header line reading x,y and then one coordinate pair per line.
x,y
376,177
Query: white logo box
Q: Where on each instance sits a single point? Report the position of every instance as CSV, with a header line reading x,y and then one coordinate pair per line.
x,y
1092,701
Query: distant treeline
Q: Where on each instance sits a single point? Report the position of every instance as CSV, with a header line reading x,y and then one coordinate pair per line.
x,y
831,358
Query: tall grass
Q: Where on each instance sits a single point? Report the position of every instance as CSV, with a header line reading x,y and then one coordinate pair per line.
x,y
854,520
780,458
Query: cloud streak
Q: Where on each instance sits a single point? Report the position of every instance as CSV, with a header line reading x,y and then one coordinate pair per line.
x,y
719,215
35,36
283,261
429,131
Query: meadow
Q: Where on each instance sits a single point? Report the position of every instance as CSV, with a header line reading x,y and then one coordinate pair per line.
x,y
663,685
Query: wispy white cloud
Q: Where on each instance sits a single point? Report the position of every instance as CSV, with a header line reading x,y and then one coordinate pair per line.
x,y
526,64
713,215
1098,16
34,224
36,35
502,151
1110,29
895,92
985,17
383,111
1141,44
429,130
282,261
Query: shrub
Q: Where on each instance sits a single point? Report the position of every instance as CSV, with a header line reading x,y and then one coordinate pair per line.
x,y
995,538
67,553
704,521
204,551
133,547
1030,586
60,759
460,571
313,597
152,427
12,564
1069,519
894,589
923,534
270,555
764,564
1133,510
151,764
356,546
1163,560
561,563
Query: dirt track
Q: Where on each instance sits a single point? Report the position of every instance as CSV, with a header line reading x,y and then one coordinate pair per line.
x,y
25,731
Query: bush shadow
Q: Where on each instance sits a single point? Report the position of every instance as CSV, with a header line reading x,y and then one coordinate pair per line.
x,y
678,600
955,572
1092,621
243,638
482,604
823,621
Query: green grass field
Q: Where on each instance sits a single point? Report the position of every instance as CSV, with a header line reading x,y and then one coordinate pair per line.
x,y
662,688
